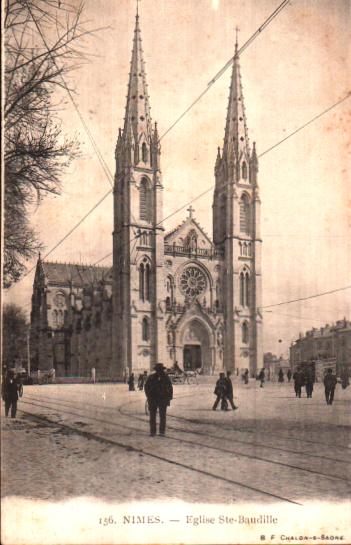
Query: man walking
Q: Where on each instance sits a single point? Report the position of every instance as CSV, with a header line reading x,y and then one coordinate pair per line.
x,y
329,385
221,392
229,390
159,392
309,381
261,378
298,382
10,394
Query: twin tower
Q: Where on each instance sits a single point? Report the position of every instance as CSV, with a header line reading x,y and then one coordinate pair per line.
x,y
179,296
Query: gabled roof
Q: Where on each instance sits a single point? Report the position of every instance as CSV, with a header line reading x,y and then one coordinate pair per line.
x,y
76,274
184,228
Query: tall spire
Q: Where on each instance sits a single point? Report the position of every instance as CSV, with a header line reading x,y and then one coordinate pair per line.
x,y
236,141
137,119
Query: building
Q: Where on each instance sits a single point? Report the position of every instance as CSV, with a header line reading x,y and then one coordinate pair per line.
x,y
329,345
170,297
273,364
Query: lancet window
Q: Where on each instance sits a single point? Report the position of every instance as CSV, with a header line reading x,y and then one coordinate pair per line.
x,y
244,214
145,280
145,200
145,329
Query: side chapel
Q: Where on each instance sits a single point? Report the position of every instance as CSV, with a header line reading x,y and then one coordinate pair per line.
x,y
169,297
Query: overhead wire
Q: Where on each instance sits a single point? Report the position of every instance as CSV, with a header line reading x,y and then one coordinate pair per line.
x,y
217,76
191,201
269,19
305,298
95,147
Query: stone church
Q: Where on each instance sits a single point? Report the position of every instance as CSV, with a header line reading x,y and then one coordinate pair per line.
x,y
169,297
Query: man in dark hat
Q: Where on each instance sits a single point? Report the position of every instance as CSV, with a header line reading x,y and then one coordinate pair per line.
x,y
10,394
221,392
229,392
159,392
330,382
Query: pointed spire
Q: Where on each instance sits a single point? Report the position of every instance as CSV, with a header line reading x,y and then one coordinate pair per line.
x,y
137,119
236,141
253,165
218,160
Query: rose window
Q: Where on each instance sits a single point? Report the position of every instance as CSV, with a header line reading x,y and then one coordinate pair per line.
x,y
192,282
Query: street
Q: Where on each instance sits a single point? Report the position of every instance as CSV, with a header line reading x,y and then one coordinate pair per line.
x,y
93,440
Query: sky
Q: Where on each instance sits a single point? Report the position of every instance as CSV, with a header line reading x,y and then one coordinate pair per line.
x,y
297,67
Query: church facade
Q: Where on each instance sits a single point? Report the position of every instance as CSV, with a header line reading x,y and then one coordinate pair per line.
x,y
169,297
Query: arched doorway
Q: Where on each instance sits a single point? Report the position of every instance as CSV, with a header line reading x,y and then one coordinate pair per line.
x,y
196,346
192,357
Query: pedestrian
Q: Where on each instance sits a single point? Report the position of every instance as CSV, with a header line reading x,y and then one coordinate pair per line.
x,y
246,376
93,374
229,393
261,378
309,381
159,393
221,392
131,383
345,379
281,376
141,380
10,394
289,375
298,382
330,382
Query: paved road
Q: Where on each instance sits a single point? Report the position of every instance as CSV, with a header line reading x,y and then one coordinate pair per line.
x,y
93,440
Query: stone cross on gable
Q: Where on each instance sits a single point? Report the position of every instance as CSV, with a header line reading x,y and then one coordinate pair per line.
x,y
190,210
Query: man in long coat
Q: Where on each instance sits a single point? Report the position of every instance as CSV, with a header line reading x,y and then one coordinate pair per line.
x,y
159,392
10,394
221,392
330,382
230,393
298,381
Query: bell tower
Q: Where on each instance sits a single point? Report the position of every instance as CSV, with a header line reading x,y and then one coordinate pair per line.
x,y
236,232
138,239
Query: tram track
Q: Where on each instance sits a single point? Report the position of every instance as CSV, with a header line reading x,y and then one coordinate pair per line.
x,y
190,442
93,436
201,433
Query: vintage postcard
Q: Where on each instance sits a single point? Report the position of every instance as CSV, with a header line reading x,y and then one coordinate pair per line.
x,y
176,256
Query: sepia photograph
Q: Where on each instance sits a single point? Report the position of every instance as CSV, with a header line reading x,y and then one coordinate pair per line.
x,y
176,272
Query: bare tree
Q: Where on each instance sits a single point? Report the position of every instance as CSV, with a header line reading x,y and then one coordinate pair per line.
x,y
44,41
14,342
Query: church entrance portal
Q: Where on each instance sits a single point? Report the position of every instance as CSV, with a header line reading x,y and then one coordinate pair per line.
x,y
192,357
196,347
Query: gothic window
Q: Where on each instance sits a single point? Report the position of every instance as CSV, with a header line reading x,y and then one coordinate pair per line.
x,y
241,248
54,318
169,289
168,303
245,333
249,248
244,170
147,282
145,196
144,153
145,329
242,289
247,289
192,282
244,214
141,281
144,238
60,318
